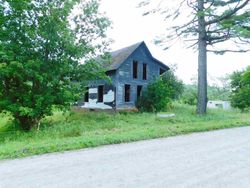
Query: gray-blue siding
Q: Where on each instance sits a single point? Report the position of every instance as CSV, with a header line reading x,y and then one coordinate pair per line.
x,y
125,76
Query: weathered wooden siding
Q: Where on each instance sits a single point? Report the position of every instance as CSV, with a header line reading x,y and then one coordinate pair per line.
x,y
114,91
108,97
125,76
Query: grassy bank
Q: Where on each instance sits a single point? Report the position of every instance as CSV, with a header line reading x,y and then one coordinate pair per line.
x,y
77,130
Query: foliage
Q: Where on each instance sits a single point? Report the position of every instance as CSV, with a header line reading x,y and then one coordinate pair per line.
x,y
160,92
155,97
238,24
174,85
42,45
75,130
210,23
220,89
189,95
218,93
240,84
215,92
223,20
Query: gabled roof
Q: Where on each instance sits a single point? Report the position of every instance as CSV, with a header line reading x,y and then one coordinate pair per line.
x,y
119,56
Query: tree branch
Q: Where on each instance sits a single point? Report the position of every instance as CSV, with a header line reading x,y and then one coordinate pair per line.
x,y
228,15
224,51
222,3
192,6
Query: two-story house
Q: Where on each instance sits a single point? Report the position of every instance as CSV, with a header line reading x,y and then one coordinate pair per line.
x,y
130,70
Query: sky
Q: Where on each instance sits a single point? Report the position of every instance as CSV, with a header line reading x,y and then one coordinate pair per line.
x,y
129,26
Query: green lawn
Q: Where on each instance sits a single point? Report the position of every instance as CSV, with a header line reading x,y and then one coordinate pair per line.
x,y
81,129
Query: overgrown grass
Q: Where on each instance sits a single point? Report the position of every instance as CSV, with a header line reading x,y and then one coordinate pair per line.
x,y
75,130
5,123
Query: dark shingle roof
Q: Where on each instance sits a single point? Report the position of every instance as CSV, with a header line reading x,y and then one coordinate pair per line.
x,y
119,56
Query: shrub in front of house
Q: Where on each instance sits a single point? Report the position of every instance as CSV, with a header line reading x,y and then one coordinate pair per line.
x,y
160,93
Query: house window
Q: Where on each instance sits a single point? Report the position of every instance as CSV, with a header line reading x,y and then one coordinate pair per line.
x,y
135,69
127,93
86,95
139,89
161,71
144,72
100,93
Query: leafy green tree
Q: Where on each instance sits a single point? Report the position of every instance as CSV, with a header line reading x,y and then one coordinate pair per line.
x,y
210,23
41,49
160,93
240,84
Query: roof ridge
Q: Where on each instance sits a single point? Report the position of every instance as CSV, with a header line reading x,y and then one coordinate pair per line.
x,y
120,55
128,47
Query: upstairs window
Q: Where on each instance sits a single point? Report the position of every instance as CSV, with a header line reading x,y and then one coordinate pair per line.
x,y
86,96
161,71
135,69
100,93
144,71
127,93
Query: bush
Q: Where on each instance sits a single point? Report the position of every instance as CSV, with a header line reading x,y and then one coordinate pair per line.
x,y
241,99
160,93
240,84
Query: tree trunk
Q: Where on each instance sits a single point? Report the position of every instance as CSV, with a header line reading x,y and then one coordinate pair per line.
x,y
202,61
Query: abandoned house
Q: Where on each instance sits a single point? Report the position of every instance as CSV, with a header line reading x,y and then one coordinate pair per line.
x,y
130,70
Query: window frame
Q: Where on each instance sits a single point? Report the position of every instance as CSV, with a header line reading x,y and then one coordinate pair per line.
x,y
86,95
144,71
127,93
161,71
135,66
100,95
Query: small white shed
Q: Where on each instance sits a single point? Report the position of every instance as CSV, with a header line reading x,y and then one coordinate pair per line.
x,y
219,104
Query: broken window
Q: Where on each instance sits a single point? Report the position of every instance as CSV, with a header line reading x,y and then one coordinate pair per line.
x,y
86,95
127,93
144,72
100,93
139,89
135,69
161,71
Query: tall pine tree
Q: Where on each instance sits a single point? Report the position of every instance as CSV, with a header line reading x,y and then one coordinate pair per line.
x,y
210,23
